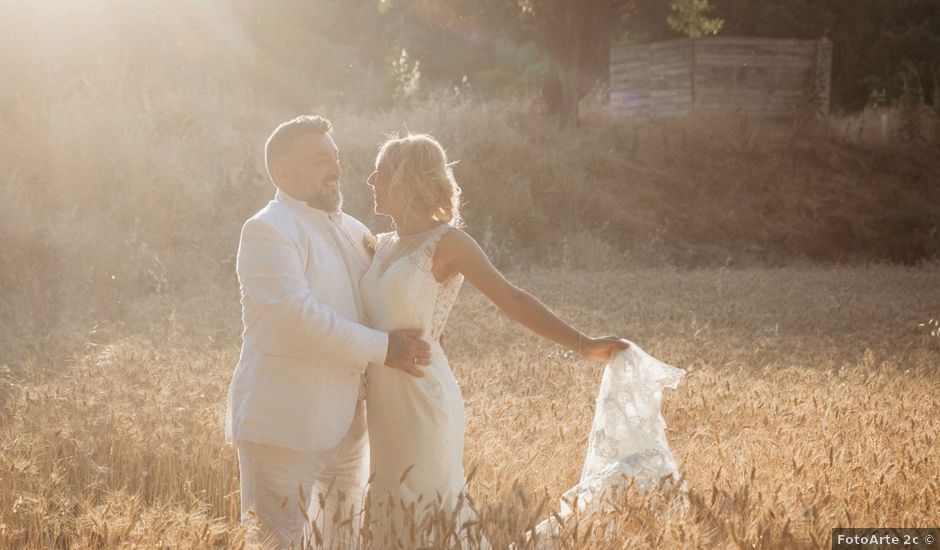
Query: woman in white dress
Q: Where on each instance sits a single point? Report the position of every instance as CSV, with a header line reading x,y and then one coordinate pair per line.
x,y
416,417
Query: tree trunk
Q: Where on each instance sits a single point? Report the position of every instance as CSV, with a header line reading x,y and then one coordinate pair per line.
x,y
576,35
560,99
551,96
569,100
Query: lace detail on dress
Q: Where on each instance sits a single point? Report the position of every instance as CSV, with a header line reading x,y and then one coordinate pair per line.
x,y
627,445
413,294
447,291
423,256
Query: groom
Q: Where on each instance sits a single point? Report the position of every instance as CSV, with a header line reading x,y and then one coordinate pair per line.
x,y
295,412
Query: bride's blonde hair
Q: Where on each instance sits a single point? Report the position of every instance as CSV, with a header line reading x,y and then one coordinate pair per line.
x,y
421,172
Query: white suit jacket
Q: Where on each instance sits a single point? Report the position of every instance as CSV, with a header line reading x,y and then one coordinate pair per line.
x,y
303,348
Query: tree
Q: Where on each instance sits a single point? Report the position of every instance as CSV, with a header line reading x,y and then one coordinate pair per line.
x,y
563,45
575,36
885,47
459,42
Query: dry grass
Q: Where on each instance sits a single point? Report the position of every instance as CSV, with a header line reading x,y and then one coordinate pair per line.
x,y
811,402
106,201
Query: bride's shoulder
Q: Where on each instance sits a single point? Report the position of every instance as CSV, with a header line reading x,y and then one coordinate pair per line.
x,y
454,240
459,252
449,233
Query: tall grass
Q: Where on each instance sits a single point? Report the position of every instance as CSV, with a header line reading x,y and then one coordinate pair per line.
x,y
114,192
810,403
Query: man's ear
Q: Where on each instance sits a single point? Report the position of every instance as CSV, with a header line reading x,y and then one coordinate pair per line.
x,y
280,170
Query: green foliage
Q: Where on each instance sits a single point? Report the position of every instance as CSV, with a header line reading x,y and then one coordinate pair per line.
x,y
495,48
690,17
576,35
880,47
300,52
473,45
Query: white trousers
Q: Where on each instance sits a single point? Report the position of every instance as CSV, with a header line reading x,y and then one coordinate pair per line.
x,y
305,499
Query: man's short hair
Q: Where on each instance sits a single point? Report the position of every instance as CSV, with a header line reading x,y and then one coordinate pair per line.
x,y
282,138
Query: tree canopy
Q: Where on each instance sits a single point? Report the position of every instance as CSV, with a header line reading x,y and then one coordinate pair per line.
x,y
378,52
883,49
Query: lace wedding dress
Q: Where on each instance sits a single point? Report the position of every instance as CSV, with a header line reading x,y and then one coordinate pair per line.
x,y
627,444
416,425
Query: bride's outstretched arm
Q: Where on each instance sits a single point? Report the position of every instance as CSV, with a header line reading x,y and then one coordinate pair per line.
x,y
458,252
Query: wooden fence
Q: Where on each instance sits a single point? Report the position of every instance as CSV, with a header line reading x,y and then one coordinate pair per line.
x,y
768,77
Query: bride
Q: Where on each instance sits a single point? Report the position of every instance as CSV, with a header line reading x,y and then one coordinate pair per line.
x,y
416,414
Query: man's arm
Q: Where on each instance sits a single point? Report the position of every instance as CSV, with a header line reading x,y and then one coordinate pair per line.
x,y
270,272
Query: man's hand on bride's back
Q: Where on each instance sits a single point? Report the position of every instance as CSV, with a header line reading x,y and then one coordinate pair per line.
x,y
603,349
407,351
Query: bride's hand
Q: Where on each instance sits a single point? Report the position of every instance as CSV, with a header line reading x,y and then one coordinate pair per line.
x,y
602,350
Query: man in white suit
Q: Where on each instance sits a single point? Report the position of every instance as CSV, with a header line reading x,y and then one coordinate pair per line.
x,y
295,408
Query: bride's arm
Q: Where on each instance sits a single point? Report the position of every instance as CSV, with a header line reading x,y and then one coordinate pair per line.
x,y
458,252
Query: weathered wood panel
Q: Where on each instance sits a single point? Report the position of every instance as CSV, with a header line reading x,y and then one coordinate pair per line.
x,y
822,77
651,79
765,77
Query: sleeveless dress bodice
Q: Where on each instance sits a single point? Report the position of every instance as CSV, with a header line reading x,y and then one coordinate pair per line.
x,y
399,290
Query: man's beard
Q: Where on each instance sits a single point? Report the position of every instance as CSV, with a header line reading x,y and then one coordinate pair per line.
x,y
328,200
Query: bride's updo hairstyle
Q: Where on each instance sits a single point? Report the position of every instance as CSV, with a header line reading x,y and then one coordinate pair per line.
x,y
421,173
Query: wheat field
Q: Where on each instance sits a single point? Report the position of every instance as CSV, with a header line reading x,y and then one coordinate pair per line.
x,y
812,401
